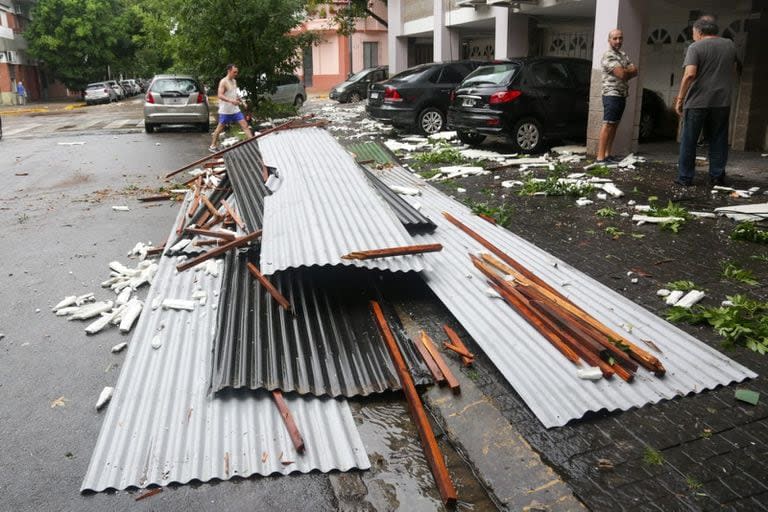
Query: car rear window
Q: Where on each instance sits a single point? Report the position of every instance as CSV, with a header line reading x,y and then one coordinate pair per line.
x,y
497,74
96,86
177,85
416,74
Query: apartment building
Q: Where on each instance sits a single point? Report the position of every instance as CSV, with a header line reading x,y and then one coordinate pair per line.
x,y
657,34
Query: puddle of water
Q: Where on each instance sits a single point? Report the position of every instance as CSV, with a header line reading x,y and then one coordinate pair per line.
x,y
400,478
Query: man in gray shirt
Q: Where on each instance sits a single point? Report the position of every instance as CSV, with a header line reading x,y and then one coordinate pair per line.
x,y
704,100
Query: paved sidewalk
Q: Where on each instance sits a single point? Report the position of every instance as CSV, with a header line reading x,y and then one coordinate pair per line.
x,y
40,106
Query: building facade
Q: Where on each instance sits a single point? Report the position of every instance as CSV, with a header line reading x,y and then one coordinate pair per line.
x,y
656,36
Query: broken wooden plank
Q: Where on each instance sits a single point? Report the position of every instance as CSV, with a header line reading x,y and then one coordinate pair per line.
x,y
290,424
466,357
208,204
274,292
456,341
233,214
233,146
428,442
430,362
237,242
213,234
148,493
452,381
159,197
646,360
392,251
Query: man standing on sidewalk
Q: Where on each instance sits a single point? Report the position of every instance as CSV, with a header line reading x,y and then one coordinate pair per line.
x,y
704,100
21,92
229,110
618,70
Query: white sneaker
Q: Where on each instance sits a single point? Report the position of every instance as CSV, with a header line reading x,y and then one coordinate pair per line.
x,y
213,149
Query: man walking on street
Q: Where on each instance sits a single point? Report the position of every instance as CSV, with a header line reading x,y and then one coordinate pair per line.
x,y
21,92
229,110
618,70
704,100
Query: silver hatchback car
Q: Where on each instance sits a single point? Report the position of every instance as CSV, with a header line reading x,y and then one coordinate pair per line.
x,y
175,99
99,92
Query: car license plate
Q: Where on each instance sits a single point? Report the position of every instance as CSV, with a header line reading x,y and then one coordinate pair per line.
x,y
176,101
374,95
468,102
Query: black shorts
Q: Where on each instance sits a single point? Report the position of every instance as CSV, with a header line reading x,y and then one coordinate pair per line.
x,y
613,108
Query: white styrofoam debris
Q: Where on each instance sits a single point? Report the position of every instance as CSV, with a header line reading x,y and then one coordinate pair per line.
x,y
406,191
512,183
119,347
211,268
122,269
121,208
157,341
458,171
460,190
132,312
582,150
753,190
591,373
179,190
663,292
703,215
583,201
124,296
727,303
394,145
156,302
86,297
631,202
91,310
188,305
643,207
576,176
756,211
602,196
68,310
104,397
612,189
484,154
102,322
78,143
642,219
449,135
690,298
673,297
66,301
493,294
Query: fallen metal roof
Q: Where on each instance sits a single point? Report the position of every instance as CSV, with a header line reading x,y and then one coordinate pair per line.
x,y
330,347
408,216
163,425
545,380
324,208
244,168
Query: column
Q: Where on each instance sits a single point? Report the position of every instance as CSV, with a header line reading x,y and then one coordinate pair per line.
x,y
445,42
629,16
397,44
511,34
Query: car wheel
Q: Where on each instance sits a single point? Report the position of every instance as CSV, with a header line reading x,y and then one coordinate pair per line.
x,y
527,136
354,97
149,127
298,101
471,138
647,125
430,121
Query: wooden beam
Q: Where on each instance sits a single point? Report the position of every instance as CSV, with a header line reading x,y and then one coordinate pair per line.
x,y
646,360
237,242
261,278
159,197
392,251
290,424
456,341
233,146
427,437
430,362
452,381
232,213
213,234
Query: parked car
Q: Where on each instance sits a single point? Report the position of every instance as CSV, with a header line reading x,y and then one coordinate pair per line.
x,y
355,88
290,90
99,92
119,91
530,100
175,99
130,86
419,96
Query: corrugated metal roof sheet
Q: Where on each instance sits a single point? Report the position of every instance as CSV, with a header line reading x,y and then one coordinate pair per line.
x,y
367,151
324,208
330,347
410,217
244,168
538,372
163,425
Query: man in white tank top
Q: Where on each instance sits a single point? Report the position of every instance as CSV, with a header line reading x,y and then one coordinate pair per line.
x,y
229,110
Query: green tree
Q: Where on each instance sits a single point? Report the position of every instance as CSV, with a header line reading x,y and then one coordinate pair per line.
x,y
260,36
77,39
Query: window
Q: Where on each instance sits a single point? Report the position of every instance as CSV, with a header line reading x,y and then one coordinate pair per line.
x,y
451,75
549,74
581,73
370,54
498,74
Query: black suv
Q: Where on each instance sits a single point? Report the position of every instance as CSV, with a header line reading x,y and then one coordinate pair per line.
x,y
418,96
525,100
355,88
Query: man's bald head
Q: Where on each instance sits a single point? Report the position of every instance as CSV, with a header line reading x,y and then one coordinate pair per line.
x,y
616,38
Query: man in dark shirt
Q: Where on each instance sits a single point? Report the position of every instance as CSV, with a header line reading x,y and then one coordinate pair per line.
x,y
704,101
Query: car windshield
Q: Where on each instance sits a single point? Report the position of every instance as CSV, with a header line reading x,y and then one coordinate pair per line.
x,y
497,74
177,85
414,74
358,76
